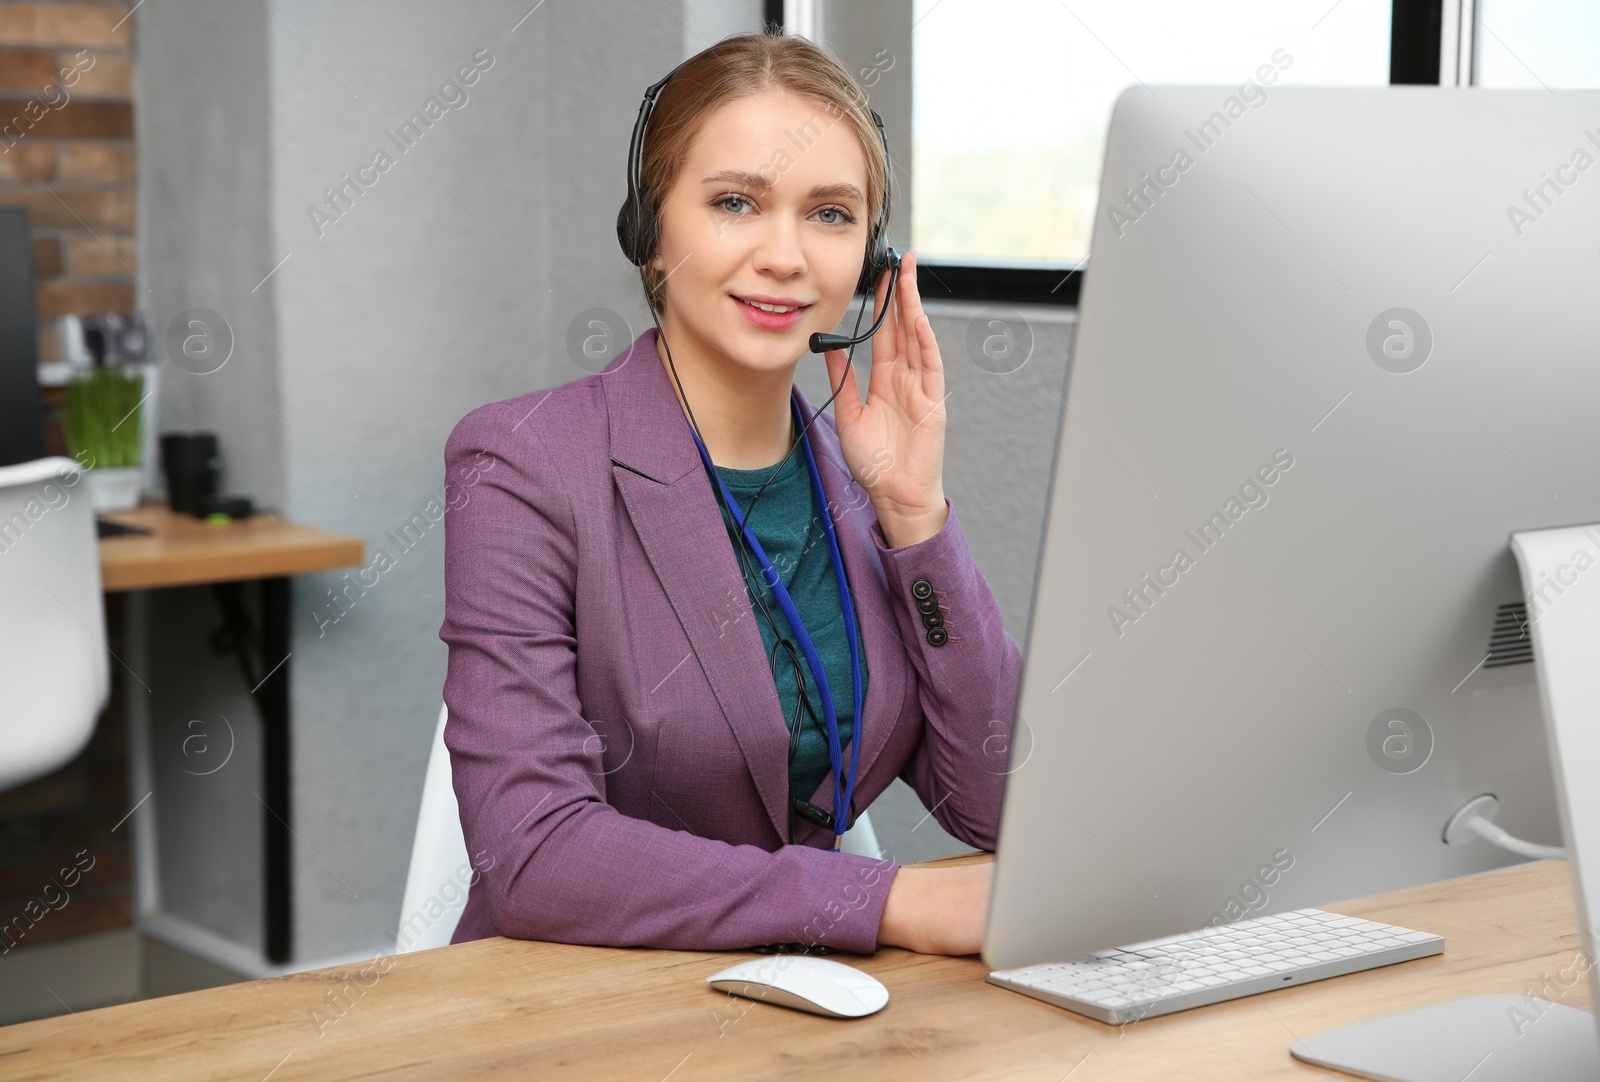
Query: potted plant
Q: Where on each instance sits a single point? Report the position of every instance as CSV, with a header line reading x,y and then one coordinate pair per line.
x,y
102,425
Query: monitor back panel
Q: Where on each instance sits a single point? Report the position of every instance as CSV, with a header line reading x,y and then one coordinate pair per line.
x,y
1334,351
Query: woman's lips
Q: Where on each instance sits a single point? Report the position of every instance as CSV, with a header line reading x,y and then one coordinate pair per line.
x,y
772,321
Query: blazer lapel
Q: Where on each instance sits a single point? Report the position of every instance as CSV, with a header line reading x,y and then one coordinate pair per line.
x,y
675,513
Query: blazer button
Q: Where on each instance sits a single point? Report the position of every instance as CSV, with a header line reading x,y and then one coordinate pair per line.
x,y
938,636
932,619
921,589
927,605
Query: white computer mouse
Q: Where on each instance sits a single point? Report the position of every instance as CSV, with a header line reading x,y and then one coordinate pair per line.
x,y
806,983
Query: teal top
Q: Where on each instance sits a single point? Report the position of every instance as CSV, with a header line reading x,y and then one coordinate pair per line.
x,y
790,531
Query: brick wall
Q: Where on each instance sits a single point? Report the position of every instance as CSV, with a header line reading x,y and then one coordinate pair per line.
x,y
67,154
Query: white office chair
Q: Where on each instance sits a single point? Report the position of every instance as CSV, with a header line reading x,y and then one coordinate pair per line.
x,y
433,885
434,896
53,655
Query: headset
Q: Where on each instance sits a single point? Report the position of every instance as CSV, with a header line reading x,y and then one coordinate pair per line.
x,y
639,223
638,232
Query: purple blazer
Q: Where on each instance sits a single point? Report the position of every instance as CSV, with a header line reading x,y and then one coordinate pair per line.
x,y
618,749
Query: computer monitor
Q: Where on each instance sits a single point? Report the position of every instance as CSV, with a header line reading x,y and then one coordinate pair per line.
x,y
1334,348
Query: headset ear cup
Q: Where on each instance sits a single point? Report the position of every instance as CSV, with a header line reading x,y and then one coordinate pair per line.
x,y
866,262
649,223
869,276
636,229
877,259
627,232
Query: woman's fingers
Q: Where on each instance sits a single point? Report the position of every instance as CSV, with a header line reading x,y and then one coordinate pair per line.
x,y
908,309
932,363
884,341
881,342
847,406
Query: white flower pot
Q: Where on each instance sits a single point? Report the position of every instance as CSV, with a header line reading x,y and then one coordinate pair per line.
x,y
115,488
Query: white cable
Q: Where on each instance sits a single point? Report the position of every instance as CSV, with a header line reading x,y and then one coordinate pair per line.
x,y
1485,829
1476,817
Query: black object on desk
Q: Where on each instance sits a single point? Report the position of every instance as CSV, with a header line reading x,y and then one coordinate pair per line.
x,y
107,528
226,506
192,466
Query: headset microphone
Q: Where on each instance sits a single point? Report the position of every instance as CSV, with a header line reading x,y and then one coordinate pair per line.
x,y
821,343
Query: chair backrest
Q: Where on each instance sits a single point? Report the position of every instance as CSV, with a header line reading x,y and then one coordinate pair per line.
x,y
861,839
53,654
436,889
436,884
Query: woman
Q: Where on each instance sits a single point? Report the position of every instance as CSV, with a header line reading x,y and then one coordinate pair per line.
x,y
634,719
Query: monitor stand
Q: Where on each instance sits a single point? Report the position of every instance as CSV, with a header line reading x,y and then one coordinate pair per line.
x,y
1487,1038
1509,1038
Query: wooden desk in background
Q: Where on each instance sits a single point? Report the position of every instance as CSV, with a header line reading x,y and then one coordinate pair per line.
x,y
505,1008
186,551
183,550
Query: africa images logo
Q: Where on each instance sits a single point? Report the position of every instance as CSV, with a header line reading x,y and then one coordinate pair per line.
x,y
1539,198
451,96
1139,199
1142,596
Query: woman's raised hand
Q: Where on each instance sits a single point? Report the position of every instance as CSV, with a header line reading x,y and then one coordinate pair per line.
x,y
894,442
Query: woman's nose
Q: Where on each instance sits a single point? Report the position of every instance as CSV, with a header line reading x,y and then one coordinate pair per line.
x,y
779,249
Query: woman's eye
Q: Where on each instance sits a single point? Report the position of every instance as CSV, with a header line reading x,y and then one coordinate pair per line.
x,y
739,205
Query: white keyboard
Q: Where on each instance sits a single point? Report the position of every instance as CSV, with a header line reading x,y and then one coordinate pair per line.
x,y
1193,969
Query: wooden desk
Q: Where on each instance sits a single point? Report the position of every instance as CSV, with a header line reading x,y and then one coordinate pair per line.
x,y
504,1008
186,551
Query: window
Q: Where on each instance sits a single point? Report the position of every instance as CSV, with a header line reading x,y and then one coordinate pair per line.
x,y
1554,44
1010,102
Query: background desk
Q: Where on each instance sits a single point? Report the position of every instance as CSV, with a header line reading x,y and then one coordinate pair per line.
x,y
183,550
504,1008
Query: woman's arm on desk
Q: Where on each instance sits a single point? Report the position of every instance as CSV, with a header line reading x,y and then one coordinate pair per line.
x,y
937,910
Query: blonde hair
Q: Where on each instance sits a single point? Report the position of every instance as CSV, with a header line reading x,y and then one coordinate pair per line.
x,y
737,67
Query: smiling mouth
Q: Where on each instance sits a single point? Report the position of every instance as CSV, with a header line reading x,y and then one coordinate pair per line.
x,y
774,309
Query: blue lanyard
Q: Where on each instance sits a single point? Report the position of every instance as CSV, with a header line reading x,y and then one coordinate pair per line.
x,y
842,793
